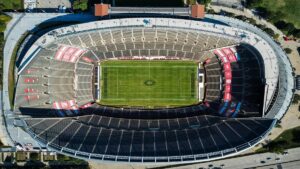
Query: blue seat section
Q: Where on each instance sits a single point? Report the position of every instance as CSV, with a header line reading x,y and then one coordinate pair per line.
x,y
147,138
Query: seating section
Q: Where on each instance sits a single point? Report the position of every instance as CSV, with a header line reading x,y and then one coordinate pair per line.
x,y
135,113
130,42
68,54
61,84
66,108
214,82
235,67
45,81
64,69
148,124
252,83
227,57
100,137
84,86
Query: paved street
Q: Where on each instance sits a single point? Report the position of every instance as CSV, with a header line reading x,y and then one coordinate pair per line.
x,y
263,161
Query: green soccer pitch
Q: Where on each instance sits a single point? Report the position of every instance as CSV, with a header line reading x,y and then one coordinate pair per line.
x,y
148,84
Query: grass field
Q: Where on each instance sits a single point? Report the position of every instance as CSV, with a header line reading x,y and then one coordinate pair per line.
x,y
148,83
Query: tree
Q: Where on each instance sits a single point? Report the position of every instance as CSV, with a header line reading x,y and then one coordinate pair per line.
x,y
191,2
296,136
290,28
276,36
263,12
275,16
281,24
296,99
296,33
269,31
277,146
288,50
252,21
210,11
241,17
252,3
205,2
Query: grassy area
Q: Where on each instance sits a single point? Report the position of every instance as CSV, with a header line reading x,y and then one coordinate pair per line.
x,y
4,19
80,5
75,162
288,139
287,10
148,83
11,4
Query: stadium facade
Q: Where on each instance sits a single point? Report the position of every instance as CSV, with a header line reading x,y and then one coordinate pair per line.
x,y
248,87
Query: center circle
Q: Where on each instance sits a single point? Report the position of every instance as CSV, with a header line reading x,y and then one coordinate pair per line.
x,y
149,82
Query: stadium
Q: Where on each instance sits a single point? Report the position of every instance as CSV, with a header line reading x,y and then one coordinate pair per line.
x,y
153,89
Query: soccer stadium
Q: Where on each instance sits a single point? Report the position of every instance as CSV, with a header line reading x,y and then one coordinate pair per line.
x,y
153,89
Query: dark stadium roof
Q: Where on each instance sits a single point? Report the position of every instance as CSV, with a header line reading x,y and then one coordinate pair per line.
x,y
120,139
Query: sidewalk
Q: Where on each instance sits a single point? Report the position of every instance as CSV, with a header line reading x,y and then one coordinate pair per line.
x,y
238,162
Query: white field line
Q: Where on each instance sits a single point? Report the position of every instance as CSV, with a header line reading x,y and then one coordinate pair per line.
x,y
118,82
149,76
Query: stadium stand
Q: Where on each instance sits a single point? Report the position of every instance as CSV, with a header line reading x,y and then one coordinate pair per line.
x,y
148,141
58,77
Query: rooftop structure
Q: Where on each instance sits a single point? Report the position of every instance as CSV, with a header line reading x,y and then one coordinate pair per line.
x,y
101,9
198,11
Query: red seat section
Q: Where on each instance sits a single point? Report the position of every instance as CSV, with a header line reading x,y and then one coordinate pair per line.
x,y
226,56
228,75
89,60
60,53
230,55
221,55
31,97
207,61
227,97
227,67
68,54
31,70
86,106
68,107
227,89
31,80
30,90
